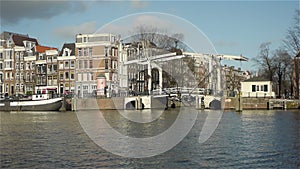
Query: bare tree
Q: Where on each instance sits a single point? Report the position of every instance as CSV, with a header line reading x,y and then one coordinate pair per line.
x,y
292,39
265,61
160,38
283,70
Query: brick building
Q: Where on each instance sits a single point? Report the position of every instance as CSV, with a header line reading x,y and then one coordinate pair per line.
x,y
296,76
96,54
66,69
15,48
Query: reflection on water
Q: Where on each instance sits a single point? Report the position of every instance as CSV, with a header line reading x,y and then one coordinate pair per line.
x,y
251,139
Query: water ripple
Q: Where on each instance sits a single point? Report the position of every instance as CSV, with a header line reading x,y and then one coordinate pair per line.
x,y
251,139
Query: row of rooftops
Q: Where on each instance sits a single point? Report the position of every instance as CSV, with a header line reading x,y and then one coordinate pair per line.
x,y
20,40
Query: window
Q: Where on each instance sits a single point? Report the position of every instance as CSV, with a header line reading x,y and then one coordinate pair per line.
x,y
261,87
21,76
72,64
84,76
39,69
1,66
61,65
21,55
66,64
49,80
72,75
44,80
21,87
106,51
8,64
91,64
54,68
33,65
80,64
21,65
253,88
61,76
17,87
44,69
17,76
115,64
41,57
50,69
17,55
91,76
265,88
85,64
28,66
8,54
66,53
106,64
90,51
85,52
79,52
67,75
257,87
85,87
27,77
28,45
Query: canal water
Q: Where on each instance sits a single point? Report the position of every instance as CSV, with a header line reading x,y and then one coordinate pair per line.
x,y
251,139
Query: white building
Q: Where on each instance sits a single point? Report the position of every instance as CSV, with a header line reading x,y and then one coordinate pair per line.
x,y
257,88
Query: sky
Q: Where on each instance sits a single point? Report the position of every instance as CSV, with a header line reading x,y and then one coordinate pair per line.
x,y
225,27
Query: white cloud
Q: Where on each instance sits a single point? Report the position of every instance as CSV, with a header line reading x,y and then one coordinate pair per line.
x,y
68,32
139,3
129,25
152,21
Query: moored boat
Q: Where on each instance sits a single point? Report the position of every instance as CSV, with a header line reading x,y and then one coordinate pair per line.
x,y
53,104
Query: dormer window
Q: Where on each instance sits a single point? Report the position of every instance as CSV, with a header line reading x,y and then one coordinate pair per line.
x,y
41,56
8,43
67,52
84,39
27,45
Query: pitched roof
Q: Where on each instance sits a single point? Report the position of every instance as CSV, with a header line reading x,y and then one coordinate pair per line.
x,y
42,49
19,39
256,79
70,46
6,35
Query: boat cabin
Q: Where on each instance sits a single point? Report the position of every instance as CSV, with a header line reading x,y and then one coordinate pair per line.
x,y
43,93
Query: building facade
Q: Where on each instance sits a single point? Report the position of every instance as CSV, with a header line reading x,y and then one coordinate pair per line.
x,y
66,69
15,48
257,88
46,70
234,77
96,55
296,77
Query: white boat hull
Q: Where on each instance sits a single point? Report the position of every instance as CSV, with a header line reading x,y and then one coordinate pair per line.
x,y
32,105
